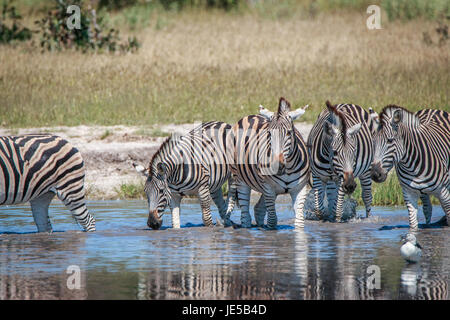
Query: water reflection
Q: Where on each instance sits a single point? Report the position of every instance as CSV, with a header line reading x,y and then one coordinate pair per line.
x,y
124,261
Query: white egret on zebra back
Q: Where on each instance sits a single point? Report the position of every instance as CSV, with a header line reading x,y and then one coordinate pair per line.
x,y
418,146
35,167
267,154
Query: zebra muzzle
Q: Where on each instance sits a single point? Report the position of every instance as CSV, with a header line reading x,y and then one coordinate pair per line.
x,y
154,220
378,174
349,184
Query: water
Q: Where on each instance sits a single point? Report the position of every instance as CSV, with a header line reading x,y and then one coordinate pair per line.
x,y
126,260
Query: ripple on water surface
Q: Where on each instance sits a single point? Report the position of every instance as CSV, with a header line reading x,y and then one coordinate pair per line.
x,y
124,259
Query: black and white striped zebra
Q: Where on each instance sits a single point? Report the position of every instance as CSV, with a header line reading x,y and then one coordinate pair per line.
x,y
34,168
268,155
418,145
186,165
341,149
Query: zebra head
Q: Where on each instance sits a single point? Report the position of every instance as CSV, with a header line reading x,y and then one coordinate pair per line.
x,y
157,191
342,142
388,139
281,139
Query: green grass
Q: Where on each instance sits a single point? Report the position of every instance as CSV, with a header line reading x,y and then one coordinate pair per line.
x,y
130,191
155,132
105,134
201,65
388,193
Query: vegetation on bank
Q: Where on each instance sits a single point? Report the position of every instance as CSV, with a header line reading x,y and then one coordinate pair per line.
x,y
201,65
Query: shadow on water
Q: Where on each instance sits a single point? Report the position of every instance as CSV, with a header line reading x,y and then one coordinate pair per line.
x,y
126,260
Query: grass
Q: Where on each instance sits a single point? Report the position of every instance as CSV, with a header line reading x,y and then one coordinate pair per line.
x,y
105,134
388,193
155,132
131,191
217,66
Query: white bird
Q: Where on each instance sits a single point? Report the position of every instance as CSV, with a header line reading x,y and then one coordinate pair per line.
x,y
411,250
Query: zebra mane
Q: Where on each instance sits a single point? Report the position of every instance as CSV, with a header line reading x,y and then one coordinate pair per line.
x,y
334,111
168,143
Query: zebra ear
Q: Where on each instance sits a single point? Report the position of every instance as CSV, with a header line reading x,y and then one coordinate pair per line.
x,y
397,117
354,129
283,106
265,113
162,169
375,117
297,113
140,169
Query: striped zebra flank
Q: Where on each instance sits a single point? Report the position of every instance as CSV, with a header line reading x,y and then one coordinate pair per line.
x,y
36,166
341,149
268,155
418,146
193,164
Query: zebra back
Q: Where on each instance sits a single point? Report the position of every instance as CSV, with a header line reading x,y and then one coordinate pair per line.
x,y
31,165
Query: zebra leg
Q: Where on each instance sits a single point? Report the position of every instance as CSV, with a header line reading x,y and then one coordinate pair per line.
x,y
318,187
331,189
231,200
366,191
243,192
73,199
444,198
272,219
339,204
412,206
175,210
260,211
217,197
298,202
205,204
39,208
427,207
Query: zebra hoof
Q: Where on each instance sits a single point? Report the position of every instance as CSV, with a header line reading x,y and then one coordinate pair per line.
x,y
219,223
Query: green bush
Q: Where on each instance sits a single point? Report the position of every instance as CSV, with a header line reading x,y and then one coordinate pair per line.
x,y
10,27
55,34
116,4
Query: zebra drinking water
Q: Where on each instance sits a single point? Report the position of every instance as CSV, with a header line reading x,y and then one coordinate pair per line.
x,y
186,165
418,145
34,168
267,154
341,149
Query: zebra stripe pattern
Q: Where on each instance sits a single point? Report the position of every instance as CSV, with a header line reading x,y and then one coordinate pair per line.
x,y
186,165
269,155
341,149
418,145
34,167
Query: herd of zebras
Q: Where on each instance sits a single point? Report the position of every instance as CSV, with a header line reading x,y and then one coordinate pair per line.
x,y
264,153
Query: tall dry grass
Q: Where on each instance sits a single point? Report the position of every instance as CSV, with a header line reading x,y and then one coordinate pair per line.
x,y
201,65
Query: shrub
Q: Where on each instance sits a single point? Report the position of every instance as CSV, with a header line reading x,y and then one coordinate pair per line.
x,y
55,34
12,30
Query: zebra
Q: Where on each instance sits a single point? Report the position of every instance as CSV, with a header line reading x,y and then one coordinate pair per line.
x,y
418,145
186,165
267,154
341,149
35,167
